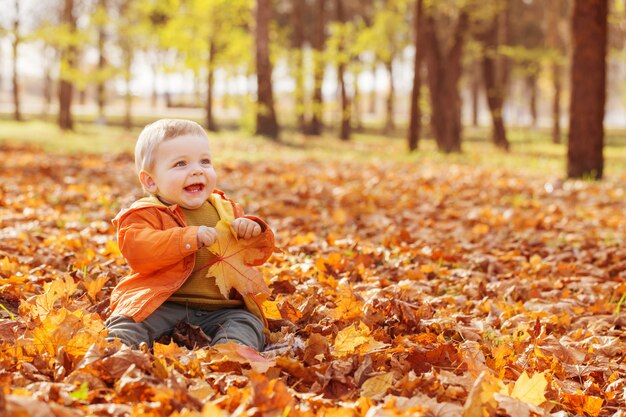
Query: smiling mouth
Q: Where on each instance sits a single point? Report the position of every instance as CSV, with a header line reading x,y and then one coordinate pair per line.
x,y
194,188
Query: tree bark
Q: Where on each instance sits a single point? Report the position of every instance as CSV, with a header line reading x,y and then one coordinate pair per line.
x,y
586,130
495,74
47,92
128,98
211,125
531,83
444,73
356,102
555,42
415,120
298,18
316,125
15,44
391,96
344,131
475,92
102,63
556,102
266,124
68,58
371,107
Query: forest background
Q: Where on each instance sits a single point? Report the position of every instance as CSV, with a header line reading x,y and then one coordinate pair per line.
x,y
445,179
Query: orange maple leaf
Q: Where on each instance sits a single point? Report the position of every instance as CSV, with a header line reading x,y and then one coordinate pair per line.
x,y
236,258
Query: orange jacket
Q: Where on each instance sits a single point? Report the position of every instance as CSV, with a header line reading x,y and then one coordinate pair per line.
x,y
161,249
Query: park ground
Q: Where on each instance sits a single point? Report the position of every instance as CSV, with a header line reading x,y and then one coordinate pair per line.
x,y
406,284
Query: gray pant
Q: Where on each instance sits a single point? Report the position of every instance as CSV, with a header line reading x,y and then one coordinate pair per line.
x,y
222,326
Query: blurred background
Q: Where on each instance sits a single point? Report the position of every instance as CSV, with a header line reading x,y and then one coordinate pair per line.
x,y
412,69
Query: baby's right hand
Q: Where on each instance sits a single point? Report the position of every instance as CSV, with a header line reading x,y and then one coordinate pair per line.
x,y
206,236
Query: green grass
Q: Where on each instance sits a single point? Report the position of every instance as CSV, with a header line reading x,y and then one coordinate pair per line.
x,y
531,150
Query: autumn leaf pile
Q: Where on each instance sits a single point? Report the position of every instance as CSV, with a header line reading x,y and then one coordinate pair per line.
x,y
401,289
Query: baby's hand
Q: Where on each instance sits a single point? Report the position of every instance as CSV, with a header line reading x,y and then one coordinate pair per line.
x,y
206,236
246,228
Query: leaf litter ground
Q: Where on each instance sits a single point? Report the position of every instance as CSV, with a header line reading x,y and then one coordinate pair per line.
x,y
400,290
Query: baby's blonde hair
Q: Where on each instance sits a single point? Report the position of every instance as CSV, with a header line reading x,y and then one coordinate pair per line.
x,y
153,134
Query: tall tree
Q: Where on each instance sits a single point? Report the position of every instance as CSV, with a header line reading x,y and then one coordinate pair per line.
x,y
556,43
586,129
266,124
15,44
319,38
68,60
496,70
416,114
299,13
344,130
388,35
444,73
101,20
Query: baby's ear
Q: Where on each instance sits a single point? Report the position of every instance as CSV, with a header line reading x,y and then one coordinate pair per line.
x,y
148,183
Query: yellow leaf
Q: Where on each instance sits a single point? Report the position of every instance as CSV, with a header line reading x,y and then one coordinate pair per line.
x,y
530,390
211,410
74,331
270,310
235,261
377,386
480,401
350,338
93,286
348,306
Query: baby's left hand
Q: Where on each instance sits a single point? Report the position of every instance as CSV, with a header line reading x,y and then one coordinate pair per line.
x,y
246,228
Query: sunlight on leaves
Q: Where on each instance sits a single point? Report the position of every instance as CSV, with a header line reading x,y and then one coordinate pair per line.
x,y
530,390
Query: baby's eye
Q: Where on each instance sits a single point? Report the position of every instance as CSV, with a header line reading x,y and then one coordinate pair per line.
x,y
180,164
206,162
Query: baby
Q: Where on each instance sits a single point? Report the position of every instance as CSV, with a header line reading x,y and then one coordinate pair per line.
x,y
162,238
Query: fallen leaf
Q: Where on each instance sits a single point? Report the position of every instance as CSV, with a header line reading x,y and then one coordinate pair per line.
x,y
530,390
377,386
233,267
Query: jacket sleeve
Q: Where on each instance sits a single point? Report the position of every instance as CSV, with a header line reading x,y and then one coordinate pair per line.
x,y
148,248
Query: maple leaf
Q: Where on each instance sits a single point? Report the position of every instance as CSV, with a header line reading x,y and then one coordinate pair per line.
x,y
233,267
530,390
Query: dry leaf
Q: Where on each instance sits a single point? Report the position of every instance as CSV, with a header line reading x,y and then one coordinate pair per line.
x,y
236,258
530,390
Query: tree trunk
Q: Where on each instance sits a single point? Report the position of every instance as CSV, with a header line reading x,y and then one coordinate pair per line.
x,y
415,122
102,63
356,102
475,90
316,125
154,95
266,124
299,16
586,130
344,131
555,42
495,74
391,96
47,81
127,56
371,108
444,73
68,58
210,120
15,44
556,103
531,83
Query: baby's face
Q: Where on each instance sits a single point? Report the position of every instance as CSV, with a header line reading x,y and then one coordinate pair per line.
x,y
183,173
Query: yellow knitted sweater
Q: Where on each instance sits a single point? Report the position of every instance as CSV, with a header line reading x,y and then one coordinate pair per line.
x,y
199,290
